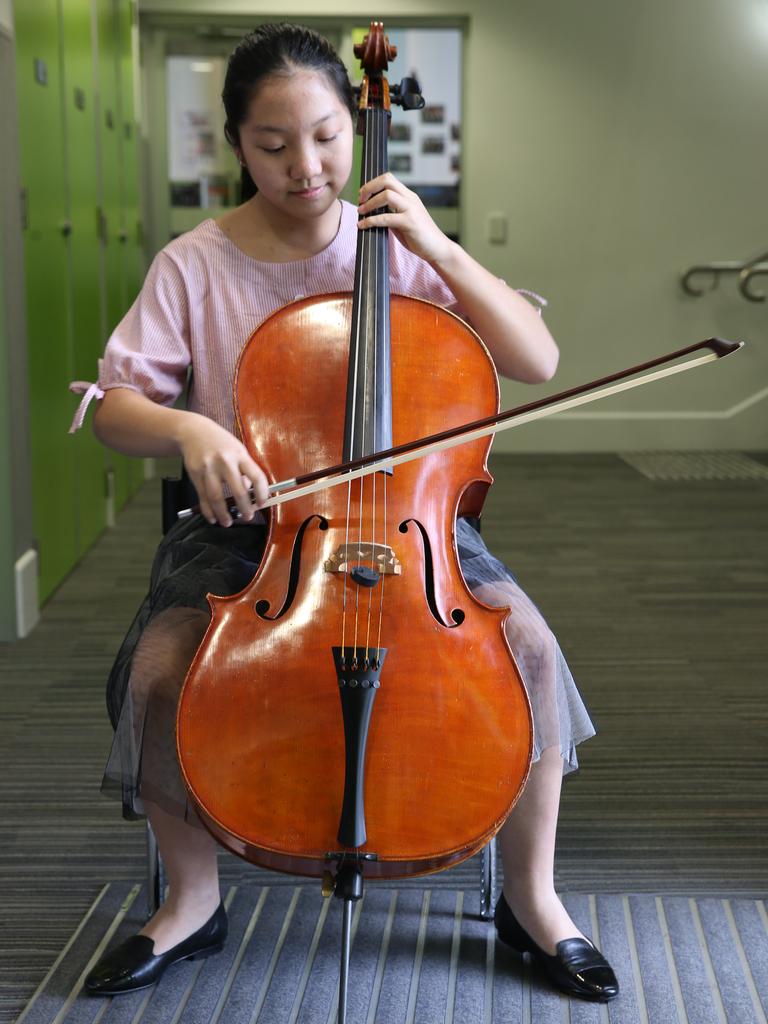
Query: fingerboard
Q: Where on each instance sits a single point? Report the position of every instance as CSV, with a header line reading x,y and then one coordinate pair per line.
x,y
368,426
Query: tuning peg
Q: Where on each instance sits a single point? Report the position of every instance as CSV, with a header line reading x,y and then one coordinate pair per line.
x,y
408,94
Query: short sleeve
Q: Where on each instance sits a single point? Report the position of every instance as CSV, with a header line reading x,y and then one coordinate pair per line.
x,y
149,350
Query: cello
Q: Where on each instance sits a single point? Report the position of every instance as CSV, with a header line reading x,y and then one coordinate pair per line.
x,y
334,716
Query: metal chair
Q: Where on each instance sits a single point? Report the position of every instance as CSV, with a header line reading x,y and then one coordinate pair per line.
x,y
178,493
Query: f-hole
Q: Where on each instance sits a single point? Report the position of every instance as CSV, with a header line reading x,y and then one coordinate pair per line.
x,y
262,607
457,615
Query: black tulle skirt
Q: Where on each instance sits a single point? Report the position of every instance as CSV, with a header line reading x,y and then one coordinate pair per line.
x,y
195,559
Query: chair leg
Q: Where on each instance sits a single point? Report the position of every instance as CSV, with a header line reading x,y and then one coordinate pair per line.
x,y
488,881
156,877
155,874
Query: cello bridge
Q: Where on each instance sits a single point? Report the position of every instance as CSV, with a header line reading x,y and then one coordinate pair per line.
x,y
380,557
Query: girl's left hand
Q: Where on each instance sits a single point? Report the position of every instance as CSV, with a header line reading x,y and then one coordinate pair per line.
x,y
407,217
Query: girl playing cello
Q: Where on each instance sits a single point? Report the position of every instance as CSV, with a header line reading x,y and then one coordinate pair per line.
x,y
289,108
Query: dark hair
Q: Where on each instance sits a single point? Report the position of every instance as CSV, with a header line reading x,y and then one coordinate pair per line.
x,y
276,49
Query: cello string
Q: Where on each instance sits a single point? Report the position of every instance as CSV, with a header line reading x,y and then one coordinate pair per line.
x,y
365,330
383,132
356,326
386,366
385,292
372,352
369,332
372,349
384,560
377,168
359,329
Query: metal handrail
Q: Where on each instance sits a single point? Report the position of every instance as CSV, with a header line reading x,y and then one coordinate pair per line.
x,y
744,268
746,276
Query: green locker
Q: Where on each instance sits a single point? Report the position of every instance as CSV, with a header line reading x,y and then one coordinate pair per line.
x,y
123,472
108,141
80,126
132,258
133,274
81,252
46,267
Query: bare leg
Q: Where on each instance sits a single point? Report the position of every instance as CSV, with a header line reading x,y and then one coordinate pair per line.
x,y
527,840
527,845
189,853
189,856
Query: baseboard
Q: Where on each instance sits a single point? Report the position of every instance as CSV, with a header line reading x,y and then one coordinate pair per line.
x,y
27,602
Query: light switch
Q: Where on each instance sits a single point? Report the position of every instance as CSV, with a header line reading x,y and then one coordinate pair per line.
x,y
497,228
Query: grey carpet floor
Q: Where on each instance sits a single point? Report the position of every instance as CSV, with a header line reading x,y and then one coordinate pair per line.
x,y
657,593
423,957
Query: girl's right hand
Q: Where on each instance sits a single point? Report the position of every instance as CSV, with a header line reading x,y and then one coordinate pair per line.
x,y
215,460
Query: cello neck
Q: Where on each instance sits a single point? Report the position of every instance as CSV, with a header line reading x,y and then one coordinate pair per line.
x,y
368,422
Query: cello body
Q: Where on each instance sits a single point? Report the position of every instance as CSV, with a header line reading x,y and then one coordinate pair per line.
x,y
260,731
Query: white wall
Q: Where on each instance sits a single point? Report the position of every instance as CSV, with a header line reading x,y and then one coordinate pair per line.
x,y
624,142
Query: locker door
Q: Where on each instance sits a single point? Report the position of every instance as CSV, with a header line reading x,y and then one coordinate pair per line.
x,y
133,267
131,264
46,267
88,343
109,131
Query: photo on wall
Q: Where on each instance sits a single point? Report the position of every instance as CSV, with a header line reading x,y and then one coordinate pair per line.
x,y
434,114
433,144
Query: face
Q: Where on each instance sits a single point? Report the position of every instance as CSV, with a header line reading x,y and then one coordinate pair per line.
x,y
297,143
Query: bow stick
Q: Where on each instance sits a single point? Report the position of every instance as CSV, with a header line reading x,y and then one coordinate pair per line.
x,y
332,476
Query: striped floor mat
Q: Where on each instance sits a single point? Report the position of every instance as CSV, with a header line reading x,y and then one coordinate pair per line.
x,y
423,956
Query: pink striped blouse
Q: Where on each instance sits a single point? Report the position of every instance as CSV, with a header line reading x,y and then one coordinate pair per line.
x,y
203,298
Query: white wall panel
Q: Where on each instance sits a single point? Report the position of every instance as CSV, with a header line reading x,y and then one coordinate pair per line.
x,y
623,143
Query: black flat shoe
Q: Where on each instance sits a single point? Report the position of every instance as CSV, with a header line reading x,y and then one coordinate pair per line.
x,y
577,968
132,965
